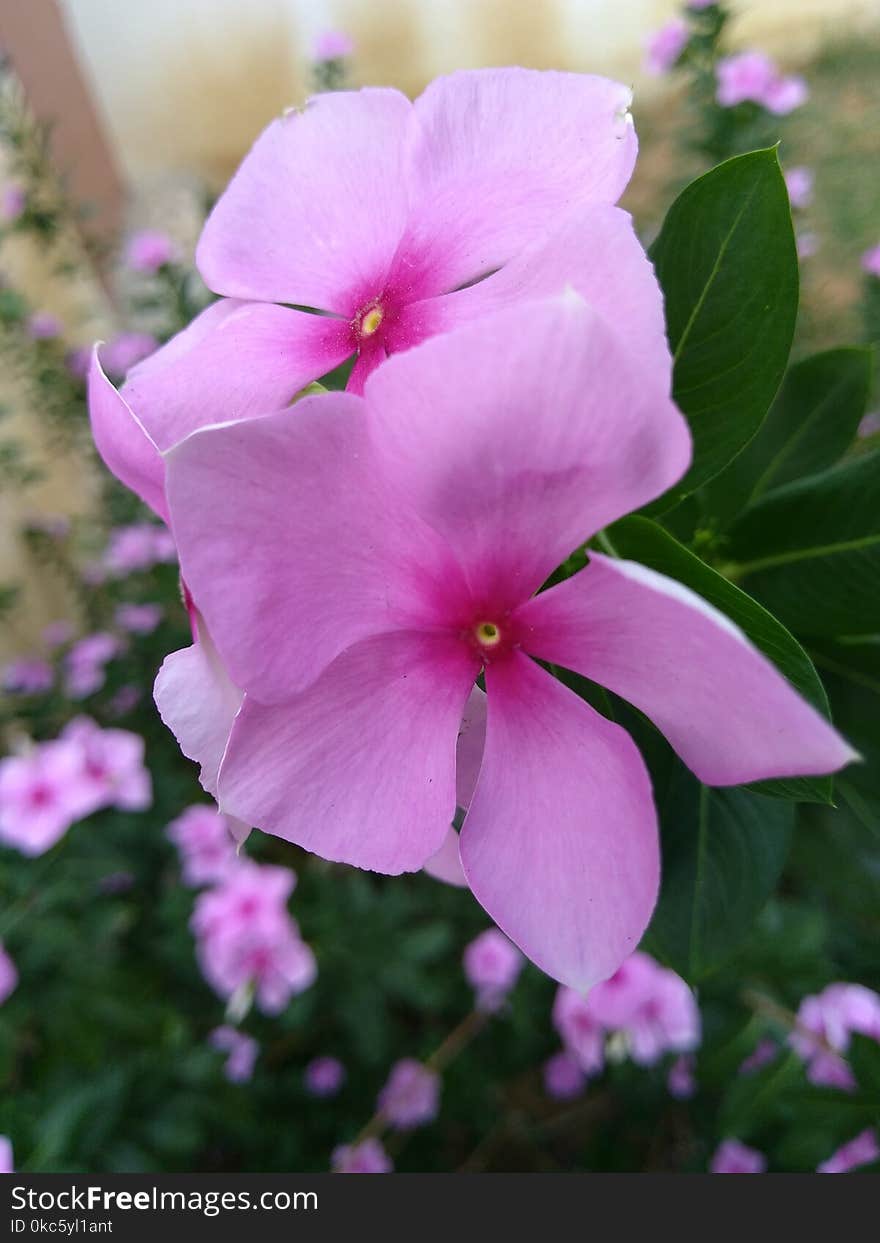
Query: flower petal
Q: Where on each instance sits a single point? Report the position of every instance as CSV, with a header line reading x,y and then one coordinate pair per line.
x,y
234,361
520,435
445,865
314,214
560,844
291,545
727,711
359,768
124,445
499,156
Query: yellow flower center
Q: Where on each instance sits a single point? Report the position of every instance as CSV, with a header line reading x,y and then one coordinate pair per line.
x,y
371,321
488,634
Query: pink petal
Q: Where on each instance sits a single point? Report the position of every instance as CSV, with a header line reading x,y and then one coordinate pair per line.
x,y
595,252
359,768
726,710
445,865
499,156
314,214
198,702
560,843
234,361
575,433
291,545
124,445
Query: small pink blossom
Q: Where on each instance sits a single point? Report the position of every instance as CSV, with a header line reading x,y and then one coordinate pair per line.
x,y
6,1162
332,45
207,848
581,1033
78,361
680,1081
784,95
113,769
8,975
871,261
732,1157
126,698
762,1055
84,663
825,1022
491,966
57,633
563,1077
799,181
28,676
44,327
138,618
41,794
125,350
367,1157
651,1005
753,77
411,1096
863,1150
666,45
242,1050
137,547
324,1076
807,244
12,202
149,250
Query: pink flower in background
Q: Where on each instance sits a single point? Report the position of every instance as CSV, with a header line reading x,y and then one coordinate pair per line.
x,y
825,1023
120,354
126,698
137,547
6,1163
112,771
491,967
12,202
44,327
149,250
732,1157
57,633
28,676
77,361
42,793
680,1081
495,185
871,261
85,662
324,1076
863,1150
138,618
651,1005
563,1077
411,1097
428,568
207,848
666,45
763,1054
754,77
332,45
8,975
242,1050
807,244
799,182
581,1033
247,939
367,1157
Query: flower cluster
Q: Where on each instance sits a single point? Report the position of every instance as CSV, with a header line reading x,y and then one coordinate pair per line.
x,y
755,78
242,1052
85,661
491,967
825,1023
137,547
54,784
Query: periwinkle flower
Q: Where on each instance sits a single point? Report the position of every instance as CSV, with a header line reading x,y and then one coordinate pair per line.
x,y
8,975
124,351
799,182
411,1096
563,1076
864,1149
367,1157
733,1157
43,326
680,1081
871,261
28,676
332,45
206,845
6,1163
324,1076
242,1052
13,201
112,770
148,251
753,77
491,967
825,1023
42,793
666,45
762,1055
138,618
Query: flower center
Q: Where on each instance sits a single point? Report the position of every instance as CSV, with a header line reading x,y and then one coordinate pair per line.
x,y
487,633
370,321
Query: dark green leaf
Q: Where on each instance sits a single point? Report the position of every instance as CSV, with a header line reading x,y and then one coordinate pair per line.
x,y
810,551
864,1057
642,540
726,261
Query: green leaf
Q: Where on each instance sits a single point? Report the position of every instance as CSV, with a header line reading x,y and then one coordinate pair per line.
x,y
723,854
811,424
726,261
640,539
864,1058
851,672
810,551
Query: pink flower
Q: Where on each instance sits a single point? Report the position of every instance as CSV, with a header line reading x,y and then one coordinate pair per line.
x,y
206,846
666,45
367,1157
807,244
411,1097
754,77
650,1004
57,633
125,350
78,360
41,794
392,552
581,1033
332,45
148,251
137,547
324,1076
126,698
8,975
863,1150
491,967
495,185
732,1157
43,327
84,663
762,1055
871,261
6,1164
825,1023
563,1077
112,772
242,1050
799,181
13,202
138,618
680,1081
28,677
247,939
